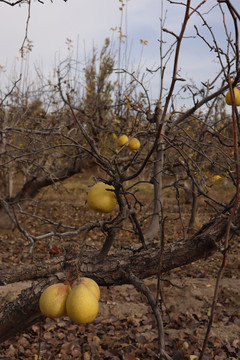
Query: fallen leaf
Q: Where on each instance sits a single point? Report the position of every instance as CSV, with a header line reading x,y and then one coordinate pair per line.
x,y
193,357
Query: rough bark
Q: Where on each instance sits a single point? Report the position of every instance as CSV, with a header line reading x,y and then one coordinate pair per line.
x,y
155,223
23,312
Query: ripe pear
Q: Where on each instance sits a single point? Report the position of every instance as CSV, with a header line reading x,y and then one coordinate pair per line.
x,y
52,302
236,95
82,305
134,144
101,199
90,283
123,139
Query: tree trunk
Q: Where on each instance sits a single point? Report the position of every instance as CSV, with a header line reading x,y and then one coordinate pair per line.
x,y
23,312
154,225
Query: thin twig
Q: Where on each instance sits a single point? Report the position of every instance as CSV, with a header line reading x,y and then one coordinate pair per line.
x,y
11,90
12,4
26,29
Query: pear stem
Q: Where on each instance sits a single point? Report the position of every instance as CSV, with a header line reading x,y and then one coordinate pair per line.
x,y
77,270
66,282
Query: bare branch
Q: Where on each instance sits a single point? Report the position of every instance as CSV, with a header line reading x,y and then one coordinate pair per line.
x,y
26,29
231,7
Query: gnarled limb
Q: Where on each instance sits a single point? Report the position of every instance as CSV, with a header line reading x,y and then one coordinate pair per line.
x,y
23,312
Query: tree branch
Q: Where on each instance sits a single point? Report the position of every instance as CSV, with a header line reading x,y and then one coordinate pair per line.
x,y
23,312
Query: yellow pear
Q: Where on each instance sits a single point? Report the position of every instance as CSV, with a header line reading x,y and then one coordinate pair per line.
x,y
82,305
134,144
52,302
90,283
122,140
237,97
101,199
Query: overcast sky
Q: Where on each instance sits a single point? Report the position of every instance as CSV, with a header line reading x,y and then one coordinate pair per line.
x,y
88,22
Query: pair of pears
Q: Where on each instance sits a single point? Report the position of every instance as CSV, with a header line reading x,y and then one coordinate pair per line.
x,y
133,144
80,302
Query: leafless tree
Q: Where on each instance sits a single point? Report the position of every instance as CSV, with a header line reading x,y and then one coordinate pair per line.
x,y
186,147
